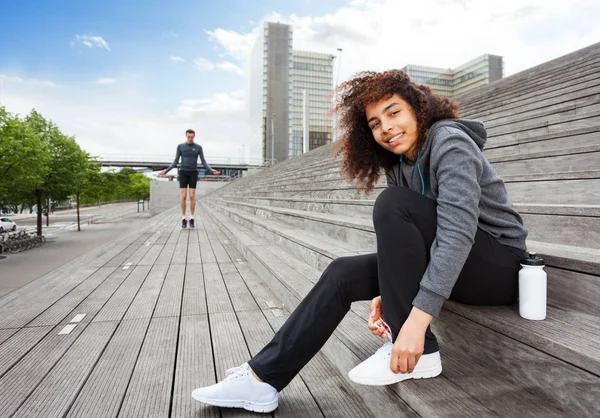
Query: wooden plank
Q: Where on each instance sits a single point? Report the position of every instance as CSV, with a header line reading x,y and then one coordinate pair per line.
x,y
169,301
554,335
25,376
118,304
152,255
559,164
149,391
230,349
103,392
574,192
166,254
194,296
217,297
566,230
519,380
295,400
195,368
240,295
194,256
19,344
145,301
98,298
56,393
180,254
139,254
576,144
205,248
121,258
5,334
575,292
63,307
19,312
584,260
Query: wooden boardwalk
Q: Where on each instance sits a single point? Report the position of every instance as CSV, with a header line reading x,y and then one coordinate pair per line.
x,y
166,310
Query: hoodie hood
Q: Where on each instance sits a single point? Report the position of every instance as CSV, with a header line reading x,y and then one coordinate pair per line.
x,y
402,174
473,128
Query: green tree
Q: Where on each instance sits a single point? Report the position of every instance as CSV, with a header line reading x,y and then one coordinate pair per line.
x,y
24,160
68,162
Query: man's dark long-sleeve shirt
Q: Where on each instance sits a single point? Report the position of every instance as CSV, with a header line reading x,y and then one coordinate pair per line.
x,y
189,154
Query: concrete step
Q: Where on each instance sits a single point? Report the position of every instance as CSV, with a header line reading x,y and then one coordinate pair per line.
x,y
576,225
467,355
571,297
354,232
578,59
539,92
561,229
569,102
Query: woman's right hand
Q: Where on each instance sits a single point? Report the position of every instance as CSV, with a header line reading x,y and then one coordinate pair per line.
x,y
376,318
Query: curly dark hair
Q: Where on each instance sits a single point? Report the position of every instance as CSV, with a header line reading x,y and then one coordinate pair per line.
x,y
363,156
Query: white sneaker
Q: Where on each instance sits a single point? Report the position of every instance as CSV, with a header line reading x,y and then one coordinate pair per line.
x,y
239,389
375,370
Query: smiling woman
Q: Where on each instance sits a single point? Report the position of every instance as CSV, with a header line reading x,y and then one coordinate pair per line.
x,y
398,116
445,229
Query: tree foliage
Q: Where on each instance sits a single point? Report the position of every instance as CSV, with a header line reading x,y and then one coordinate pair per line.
x,y
35,154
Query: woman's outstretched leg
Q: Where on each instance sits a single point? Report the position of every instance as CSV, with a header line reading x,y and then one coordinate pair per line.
x,y
345,280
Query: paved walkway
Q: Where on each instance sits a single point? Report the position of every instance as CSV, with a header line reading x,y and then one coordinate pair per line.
x,y
132,327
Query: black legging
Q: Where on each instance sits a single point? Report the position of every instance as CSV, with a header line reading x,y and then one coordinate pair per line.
x,y
405,224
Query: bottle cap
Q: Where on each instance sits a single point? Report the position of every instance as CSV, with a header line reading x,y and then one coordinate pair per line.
x,y
533,260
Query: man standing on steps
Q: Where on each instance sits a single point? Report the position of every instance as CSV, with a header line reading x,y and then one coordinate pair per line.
x,y
189,152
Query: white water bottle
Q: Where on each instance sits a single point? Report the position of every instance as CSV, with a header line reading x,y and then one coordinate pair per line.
x,y
533,287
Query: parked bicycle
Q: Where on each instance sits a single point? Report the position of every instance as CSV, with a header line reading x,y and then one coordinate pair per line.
x,y
15,242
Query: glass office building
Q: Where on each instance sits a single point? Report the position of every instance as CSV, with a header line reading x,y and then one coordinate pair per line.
x,y
280,80
312,80
454,82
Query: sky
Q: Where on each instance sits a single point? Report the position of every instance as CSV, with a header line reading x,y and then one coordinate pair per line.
x,y
127,78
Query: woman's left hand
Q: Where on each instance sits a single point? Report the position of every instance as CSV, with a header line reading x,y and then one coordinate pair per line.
x,y
410,343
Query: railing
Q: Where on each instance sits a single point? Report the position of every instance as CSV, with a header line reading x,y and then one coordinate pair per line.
x,y
155,158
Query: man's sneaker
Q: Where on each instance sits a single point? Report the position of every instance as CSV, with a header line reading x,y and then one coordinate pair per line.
x,y
184,223
192,223
239,389
375,370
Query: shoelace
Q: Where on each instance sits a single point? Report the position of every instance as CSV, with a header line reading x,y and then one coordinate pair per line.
x,y
235,372
386,349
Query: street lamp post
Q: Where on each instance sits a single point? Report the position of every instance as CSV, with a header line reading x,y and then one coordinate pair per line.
x,y
337,82
272,138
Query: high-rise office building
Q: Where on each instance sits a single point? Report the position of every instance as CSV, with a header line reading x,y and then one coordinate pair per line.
x,y
290,94
271,90
453,82
312,80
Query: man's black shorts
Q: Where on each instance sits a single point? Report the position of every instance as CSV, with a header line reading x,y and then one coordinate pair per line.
x,y
188,178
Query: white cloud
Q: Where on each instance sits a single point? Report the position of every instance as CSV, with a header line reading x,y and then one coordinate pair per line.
x,y
237,45
384,34
106,81
231,67
91,41
124,121
176,58
374,35
203,64
5,79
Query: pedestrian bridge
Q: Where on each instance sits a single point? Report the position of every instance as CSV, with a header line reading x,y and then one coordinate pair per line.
x,y
227,166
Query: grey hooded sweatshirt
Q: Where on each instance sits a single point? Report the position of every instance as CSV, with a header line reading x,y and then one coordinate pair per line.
x,y
469,195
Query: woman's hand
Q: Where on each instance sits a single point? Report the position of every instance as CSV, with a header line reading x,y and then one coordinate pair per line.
x,y
376,318
409,345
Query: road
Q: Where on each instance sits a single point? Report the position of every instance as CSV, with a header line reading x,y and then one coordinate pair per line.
x,y
67,220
